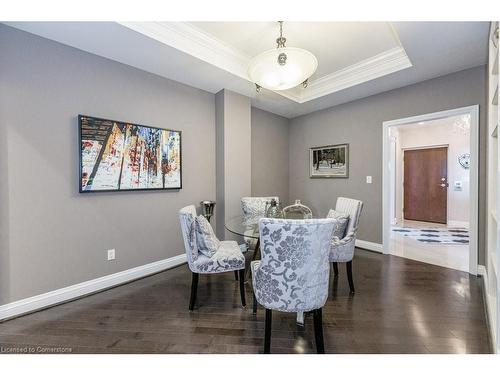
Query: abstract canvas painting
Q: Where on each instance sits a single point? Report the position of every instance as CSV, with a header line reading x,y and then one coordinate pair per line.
x,y
117,156
329,161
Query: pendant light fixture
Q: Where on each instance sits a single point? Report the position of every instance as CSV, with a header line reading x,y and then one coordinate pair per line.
x,y
282,68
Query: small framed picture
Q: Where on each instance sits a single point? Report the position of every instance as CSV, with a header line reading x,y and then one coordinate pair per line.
x,y
329,161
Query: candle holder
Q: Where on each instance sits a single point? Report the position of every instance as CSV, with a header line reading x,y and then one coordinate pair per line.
x,y
207,209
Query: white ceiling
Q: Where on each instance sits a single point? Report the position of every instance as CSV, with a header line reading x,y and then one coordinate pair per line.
x,y
336,45
356,59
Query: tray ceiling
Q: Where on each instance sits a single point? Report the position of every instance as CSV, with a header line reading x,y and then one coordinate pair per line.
x,y
348,53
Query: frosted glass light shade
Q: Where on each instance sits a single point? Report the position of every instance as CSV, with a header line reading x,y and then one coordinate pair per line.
x,y
265,70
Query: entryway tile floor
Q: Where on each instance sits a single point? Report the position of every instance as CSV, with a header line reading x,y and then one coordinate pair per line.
x,y
455,256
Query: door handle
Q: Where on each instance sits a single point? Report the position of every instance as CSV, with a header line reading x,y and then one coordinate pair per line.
x,y
443,185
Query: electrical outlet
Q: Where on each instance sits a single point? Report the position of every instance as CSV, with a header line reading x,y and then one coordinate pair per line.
x,y
368,179
111,254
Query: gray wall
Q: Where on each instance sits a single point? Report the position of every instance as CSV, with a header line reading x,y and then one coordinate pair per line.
x,y
55,237
359,123
269,155
233,163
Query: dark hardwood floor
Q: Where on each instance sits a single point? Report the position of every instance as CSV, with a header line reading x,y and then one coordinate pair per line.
x,y
400,306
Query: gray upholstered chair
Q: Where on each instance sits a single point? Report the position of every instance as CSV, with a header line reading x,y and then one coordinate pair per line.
x,y
297,211
342,249
253,209
228,257
294,271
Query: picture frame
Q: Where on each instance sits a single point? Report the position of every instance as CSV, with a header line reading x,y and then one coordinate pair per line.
x,y
118,156
330,161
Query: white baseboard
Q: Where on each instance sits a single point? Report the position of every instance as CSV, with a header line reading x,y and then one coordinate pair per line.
x,y
481,270
373,246
456,223
55,297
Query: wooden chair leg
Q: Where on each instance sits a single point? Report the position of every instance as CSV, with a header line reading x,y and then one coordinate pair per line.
x,y
236,275
318,331
267,337
335,269
335,285
254,310
194,289
348,267
256,252
242,286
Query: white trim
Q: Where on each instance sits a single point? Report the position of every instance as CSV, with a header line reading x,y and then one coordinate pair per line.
x,y
374,67
447,145
195,42
473,111
373,246
191,40
458,223
57,296
489,302
481,271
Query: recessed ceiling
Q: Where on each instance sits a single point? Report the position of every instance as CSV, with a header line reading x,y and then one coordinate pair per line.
x,y
356,59
348,53
336,45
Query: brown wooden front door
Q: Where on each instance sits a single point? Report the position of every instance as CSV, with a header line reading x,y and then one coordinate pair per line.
x,y
426,184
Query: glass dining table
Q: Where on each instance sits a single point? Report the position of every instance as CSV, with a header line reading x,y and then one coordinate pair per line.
x,y
249,228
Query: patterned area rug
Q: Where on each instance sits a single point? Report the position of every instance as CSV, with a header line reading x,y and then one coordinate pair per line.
x,y
435,235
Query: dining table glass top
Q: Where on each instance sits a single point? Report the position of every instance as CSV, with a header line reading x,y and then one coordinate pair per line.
x,y
243,226
249,227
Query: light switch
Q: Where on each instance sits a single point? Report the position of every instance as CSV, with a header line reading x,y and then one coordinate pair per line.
x,y
368,179
457,186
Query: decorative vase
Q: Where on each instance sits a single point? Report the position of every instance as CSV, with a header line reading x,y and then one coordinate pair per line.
x,y
274,210
297,211
207,209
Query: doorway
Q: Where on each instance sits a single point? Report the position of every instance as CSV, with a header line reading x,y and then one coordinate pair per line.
x,y
425,184
430,188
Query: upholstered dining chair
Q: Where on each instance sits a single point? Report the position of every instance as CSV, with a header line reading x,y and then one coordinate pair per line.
x,y
253,209
228,257
297,211
342,249
293,274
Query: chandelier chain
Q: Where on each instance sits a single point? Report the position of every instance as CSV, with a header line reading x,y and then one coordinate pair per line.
x,y
281,40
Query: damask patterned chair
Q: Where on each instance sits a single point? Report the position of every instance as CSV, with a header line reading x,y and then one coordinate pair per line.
x,y
293,273
342,249
253,209
227,258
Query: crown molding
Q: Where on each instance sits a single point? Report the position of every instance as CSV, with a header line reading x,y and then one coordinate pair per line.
x,y
195,42
374,67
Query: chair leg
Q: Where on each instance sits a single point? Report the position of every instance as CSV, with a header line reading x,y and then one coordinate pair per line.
x,y
267,338
194,289
254,310
242,286
348,267
318,331
335,269
236,275
256,252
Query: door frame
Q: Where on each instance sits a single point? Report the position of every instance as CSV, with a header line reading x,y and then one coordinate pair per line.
x,y
404,149
473,111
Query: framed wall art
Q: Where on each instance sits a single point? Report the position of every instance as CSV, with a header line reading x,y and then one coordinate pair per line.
x,y
329,161
121,156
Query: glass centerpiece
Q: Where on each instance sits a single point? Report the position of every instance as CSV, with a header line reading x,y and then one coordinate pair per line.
x,y
297,211
274,210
